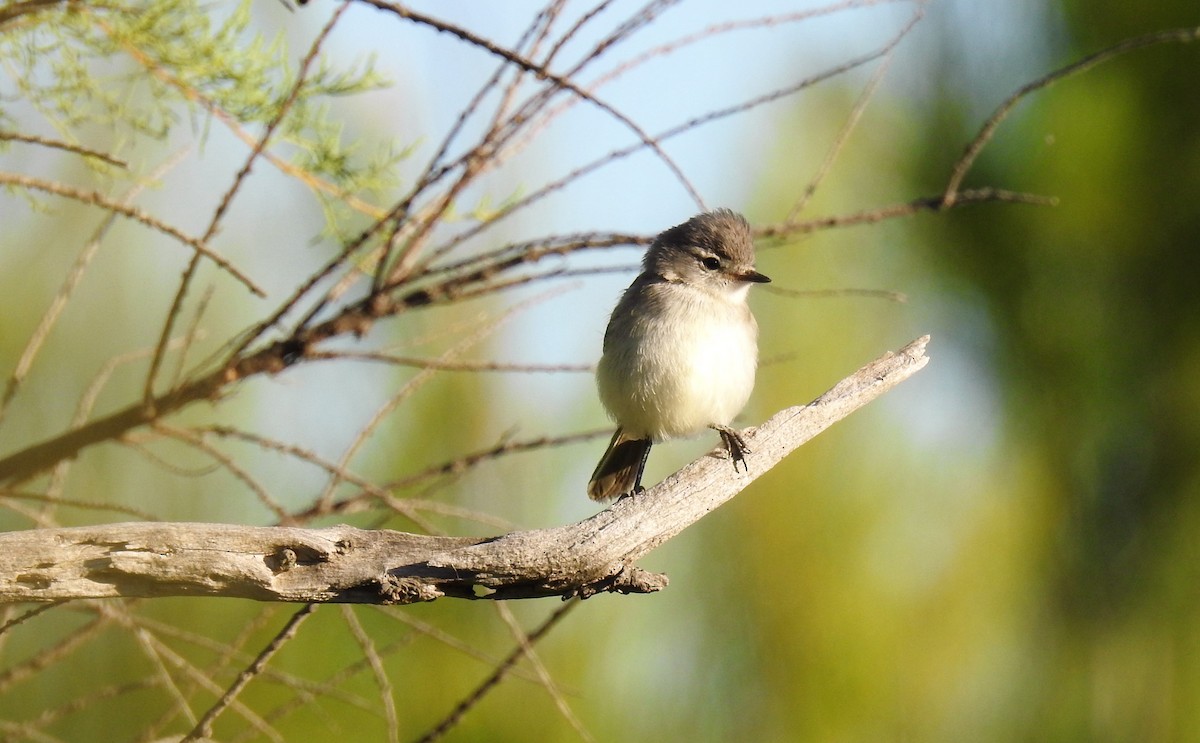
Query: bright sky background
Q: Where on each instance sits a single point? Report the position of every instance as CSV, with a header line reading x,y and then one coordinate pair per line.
x,y
435,74
727,162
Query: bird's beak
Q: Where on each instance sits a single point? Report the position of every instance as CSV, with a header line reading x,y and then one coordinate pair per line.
x,y
754,277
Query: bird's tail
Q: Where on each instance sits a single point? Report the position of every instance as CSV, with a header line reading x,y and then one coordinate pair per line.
x,y
620,469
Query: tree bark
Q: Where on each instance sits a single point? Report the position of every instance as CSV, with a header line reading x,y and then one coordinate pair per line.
x,y
349,565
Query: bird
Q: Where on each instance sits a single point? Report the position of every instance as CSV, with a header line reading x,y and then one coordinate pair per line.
x,y
681,347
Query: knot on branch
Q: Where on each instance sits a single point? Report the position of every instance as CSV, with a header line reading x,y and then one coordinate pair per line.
x,y
380,305
292,350
396,590
285,557
282,560
629,579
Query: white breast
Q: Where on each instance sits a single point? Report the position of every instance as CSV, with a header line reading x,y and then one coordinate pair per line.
x,y
686,363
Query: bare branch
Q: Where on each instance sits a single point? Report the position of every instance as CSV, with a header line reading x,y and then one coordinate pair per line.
x,y
348,565
906,209
137,215
886,294
543,74
18,9
26,616
59,303
452,365
690,125
525,644
61,502
371,655
497,675
60,145
203,729
357,319
843,135
214,224
961,168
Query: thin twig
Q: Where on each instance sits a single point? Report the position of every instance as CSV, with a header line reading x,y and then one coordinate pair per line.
x,y
60,145
543,673
972,150
54,311
94,699
843,135
905,209
203,729
462,464
450,365
422,377
496,675
197,676
214,223
306,690
227,463
87,403
147,642
413,231
30,614
59,501
96,199
542,74
49,656
191,334
372,656
673,46
887,294
308,695
679,129
405,507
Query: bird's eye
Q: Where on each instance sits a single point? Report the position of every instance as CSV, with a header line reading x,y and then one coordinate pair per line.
x,y
711,263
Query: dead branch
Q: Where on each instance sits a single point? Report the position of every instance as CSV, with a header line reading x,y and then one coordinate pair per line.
x,y
542,73
349,565
97,199
976,145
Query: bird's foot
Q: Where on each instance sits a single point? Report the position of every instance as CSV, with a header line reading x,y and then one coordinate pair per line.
x,y
637,490
735,444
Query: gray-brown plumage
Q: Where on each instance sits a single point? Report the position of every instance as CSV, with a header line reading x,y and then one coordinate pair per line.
x,y
681,347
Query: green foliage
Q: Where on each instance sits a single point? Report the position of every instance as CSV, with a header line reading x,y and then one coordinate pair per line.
x,y
141,69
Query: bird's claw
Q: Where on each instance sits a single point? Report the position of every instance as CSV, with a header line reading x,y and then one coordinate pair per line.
x,y
736,445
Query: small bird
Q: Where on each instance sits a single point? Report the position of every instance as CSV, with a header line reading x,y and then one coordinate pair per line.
x,y
681,347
